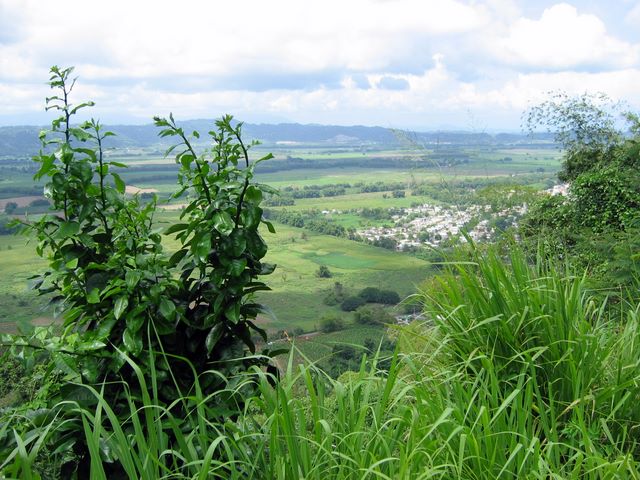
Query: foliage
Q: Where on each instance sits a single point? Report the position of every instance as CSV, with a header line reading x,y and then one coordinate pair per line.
x,y
584,125
524,376
372,315
311,220
352,303
120,296
592,226
606,199
221,251
323,272
331,323
335,296
375,295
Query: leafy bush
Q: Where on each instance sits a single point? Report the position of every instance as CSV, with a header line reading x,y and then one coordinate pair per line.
x,y
351,303
182,317
372,315
331,323
602,211
375,295
323,272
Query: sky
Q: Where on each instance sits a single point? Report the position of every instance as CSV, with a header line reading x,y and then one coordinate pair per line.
x,y
420,64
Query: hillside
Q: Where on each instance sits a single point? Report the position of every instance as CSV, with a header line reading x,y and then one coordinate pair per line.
x,y
19,141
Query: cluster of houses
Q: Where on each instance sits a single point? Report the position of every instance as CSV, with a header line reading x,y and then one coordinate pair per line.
x,y
430,225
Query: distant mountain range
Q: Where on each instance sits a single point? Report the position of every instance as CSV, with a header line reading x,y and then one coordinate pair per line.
x,y
23,140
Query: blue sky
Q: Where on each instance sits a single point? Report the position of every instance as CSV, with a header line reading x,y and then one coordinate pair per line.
x,y
420,64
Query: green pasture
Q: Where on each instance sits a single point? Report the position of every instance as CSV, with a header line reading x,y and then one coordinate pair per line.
x,y
15,183
325,176
357,201
18,303
297,293
296,299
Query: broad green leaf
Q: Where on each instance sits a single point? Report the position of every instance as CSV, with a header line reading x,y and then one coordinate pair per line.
x,y
214,335
233,313
132,341
67,229
120,306
93,296
223,222
132,277
176,227
251,216
134,320
176,257
71,264
90,370
90,346
167,308
186,159
120,186
253,195
237,267
47,165
270,226
203,247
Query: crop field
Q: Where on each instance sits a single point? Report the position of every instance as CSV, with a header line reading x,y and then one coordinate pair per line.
x,y
296,300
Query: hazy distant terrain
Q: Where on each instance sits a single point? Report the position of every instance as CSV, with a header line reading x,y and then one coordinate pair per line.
x,y
23,140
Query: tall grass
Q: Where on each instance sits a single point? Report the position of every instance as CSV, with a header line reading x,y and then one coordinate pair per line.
x,y
520,375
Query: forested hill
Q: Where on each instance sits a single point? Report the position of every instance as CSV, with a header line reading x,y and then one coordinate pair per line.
x,y
23,140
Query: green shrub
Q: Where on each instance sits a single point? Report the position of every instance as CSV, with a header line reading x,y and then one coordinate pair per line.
x,y
372,315
352,303
323,272
181,317
375,295
331,323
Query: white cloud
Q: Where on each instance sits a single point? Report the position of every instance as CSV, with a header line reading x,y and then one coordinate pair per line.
x,y
332,61
144,39
564,39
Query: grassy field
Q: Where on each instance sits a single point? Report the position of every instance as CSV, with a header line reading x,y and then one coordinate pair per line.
x,y
296,299
20,305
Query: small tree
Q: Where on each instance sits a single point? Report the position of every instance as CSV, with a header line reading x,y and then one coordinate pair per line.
x,y
323,272
183,315
351,303
584,125
331,323
372,315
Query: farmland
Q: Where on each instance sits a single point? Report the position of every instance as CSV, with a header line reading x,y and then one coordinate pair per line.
x,y
296,300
